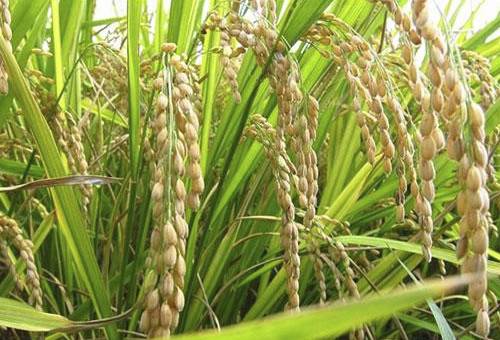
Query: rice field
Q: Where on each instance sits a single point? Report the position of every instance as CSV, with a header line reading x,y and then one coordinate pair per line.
x,y
254,169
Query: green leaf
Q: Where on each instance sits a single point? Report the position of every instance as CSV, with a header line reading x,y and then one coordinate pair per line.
x,y
444,327
106,114
133,30
70,218
333,320
481,36
15,168
415,248
57,48
18,315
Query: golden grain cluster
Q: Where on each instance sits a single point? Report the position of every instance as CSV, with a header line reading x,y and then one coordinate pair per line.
x,y
10,232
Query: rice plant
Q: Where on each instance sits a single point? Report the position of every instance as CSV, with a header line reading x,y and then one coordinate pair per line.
x,y
244,169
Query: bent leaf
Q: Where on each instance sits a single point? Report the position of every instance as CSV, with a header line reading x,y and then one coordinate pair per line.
x,y
67,180
18,315
335,319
